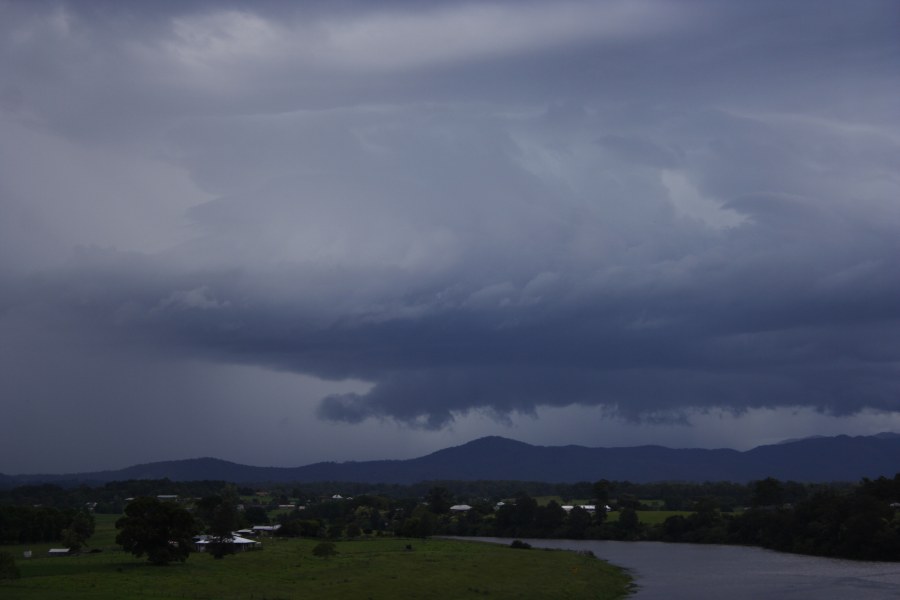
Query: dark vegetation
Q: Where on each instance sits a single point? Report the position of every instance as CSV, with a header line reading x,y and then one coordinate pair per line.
x,y
23,524
8,568
325,550
162,531
843,520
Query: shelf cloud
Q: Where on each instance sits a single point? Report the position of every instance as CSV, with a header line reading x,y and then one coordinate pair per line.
x,y
434,211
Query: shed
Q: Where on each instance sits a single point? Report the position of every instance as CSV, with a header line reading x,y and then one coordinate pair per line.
x,y
240,544
271,529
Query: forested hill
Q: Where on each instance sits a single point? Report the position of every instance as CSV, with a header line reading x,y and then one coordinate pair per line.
x,y
821,459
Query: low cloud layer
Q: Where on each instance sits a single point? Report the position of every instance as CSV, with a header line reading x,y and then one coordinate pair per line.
x,y
654,208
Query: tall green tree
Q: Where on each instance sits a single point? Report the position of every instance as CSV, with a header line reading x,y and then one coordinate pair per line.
x,y
629,523
8,568
221,518
550,518
162,531
767,492
79,530
601,493
439,500
578,522
601,500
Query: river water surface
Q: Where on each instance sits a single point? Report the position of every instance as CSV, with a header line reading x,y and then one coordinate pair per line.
x,y
709,572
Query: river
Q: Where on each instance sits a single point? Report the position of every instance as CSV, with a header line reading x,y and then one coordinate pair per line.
x,y
710,572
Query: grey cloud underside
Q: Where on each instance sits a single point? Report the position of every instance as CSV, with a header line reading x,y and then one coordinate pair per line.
x,y
702,215
737,326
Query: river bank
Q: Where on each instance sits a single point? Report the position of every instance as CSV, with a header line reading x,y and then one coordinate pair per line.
x,y
712,572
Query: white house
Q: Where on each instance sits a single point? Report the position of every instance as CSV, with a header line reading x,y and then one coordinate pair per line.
x,y
587,507
270,529
240,544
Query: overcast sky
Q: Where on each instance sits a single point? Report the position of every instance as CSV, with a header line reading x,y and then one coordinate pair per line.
x,y
285,232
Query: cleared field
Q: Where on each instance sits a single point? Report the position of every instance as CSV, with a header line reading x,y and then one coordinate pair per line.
x,y
651,517
286,569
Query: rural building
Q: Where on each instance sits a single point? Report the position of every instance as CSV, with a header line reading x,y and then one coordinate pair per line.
x,y
238,543
59,552
266,529
587,507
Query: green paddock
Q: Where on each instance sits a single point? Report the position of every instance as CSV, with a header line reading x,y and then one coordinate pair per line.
x,y
378,568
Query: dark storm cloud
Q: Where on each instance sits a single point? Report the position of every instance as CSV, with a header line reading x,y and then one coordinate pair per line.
x,y
648,206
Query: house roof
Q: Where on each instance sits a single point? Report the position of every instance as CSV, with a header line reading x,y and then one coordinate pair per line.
x,y
235,539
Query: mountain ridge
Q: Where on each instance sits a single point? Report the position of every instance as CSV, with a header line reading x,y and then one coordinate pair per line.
x,y
815,459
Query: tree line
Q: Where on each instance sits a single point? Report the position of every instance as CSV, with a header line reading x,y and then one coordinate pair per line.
x,y
861,524
35,524
111,498
853,521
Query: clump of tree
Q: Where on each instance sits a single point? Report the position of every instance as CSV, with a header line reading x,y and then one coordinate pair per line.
x,y
297,527
325,550
162,531
220,517
79,530
35,524
858,523
8,567
256,515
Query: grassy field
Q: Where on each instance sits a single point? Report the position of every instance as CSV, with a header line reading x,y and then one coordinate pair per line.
x,y
284,569
651,517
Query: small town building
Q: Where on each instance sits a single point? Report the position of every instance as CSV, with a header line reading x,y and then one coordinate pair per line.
x,y
238,543
266,529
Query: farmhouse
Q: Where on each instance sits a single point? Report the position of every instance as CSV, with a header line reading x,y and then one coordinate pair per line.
x,y
266,529
588,507
238,543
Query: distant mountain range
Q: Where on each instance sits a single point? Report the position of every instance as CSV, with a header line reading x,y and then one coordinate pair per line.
x,y
817,459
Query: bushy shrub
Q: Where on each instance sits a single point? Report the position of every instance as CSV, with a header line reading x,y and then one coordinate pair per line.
x,y
8,567
325,550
